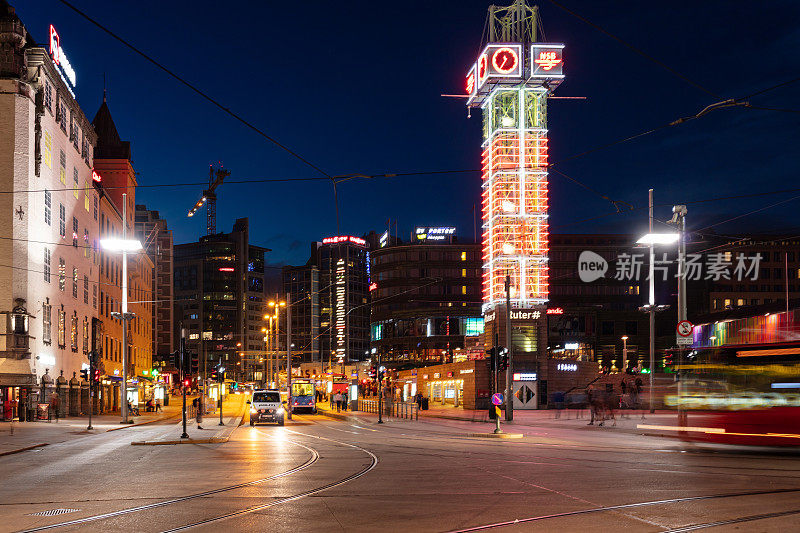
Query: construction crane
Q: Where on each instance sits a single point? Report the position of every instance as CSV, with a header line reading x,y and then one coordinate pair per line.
x,y
215,178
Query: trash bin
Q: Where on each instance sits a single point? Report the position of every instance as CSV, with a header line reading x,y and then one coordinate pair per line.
x,y
424,404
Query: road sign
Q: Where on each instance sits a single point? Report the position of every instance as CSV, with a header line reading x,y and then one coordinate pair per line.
x,y
497,399
685,328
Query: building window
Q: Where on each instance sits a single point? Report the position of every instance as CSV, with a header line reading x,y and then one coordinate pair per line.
x,y
87,249
62,220
47,265
86,289
47,309
75,185
63,172
75,232
48,96
94,296
73,332
463,256
62,325
87,197
74,282
85,334
62,274
95,207
48,203
48,149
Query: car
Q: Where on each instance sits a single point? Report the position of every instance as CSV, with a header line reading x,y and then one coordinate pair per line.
x,y
266,406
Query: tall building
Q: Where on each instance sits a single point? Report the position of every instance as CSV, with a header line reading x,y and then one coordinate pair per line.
x,y
219,294
156,238
344,298
302,283
330,302
49,274
426,300
114,176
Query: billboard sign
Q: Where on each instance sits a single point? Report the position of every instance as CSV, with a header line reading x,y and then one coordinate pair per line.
x,y
547,60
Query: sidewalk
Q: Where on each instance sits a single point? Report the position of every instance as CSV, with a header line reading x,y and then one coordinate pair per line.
x,y
19,436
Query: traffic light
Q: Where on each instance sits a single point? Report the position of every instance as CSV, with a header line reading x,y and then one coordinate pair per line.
x,y
176,359
502,361
381,373
186,383
491,360
373,372
85,374
97,375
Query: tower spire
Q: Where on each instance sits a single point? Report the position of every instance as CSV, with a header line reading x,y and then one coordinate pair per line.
x,y
105,91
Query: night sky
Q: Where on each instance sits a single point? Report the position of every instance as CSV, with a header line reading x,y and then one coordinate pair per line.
x,y
355,88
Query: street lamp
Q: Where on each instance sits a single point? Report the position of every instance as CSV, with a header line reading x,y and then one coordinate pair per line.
x,y
123,245
277,305
651,239
624,353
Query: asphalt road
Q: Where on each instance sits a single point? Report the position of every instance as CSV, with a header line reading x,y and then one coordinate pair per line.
x,y
320,474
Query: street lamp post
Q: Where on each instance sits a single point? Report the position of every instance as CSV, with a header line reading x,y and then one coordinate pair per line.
x,y
123,245
624,353
651,239
277,304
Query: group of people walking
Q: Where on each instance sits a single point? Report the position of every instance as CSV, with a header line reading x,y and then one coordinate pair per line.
x,y
340,400
602,403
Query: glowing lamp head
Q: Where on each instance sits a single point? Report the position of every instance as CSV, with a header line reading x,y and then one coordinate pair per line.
x,y
121,245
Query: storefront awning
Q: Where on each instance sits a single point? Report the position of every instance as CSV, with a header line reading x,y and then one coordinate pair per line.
x,y
16,373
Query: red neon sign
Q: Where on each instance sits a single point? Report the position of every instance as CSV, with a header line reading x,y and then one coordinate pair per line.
x,y
55,45
373,286
505,60
555,311
547,60
343,238
96,177
226,269
483,67
470,85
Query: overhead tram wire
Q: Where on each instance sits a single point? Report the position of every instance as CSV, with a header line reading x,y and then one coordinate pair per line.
x,y
636,50
195,89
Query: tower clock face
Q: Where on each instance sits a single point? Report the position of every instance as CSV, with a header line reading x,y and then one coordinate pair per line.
x,y
505,60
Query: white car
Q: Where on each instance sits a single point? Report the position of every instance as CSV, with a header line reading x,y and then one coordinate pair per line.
x,y
266,406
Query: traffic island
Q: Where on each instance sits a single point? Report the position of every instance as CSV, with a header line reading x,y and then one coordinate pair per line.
x,y
497,435
212,440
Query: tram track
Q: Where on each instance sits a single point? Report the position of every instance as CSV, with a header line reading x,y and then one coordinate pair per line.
x,y
279,501
113,514
609,508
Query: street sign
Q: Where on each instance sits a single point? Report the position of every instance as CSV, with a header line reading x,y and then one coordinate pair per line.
x,y
497,399
685,328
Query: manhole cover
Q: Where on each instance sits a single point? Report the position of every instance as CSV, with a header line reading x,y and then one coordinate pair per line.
x,y
53,512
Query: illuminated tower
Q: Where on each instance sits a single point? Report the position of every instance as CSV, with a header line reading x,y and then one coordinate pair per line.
x,y
511,81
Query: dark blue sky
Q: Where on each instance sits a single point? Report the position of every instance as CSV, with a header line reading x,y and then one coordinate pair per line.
x,y
355,87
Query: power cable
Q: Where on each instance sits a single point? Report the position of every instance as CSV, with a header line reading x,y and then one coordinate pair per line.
x,y
636,50
197,90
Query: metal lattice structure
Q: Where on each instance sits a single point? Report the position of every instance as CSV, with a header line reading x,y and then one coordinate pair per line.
x,y
511,82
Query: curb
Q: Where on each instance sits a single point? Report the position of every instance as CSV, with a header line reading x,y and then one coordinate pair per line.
x,y
212,440
142,423
25,449
497,435
330,414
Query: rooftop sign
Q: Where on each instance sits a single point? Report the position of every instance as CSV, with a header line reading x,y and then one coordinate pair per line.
x,y
344,238
60,58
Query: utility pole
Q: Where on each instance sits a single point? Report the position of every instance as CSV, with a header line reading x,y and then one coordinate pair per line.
x,y
184,435
509,351
221,388
124,315
289,352
380,390
92,366
679,219
652,306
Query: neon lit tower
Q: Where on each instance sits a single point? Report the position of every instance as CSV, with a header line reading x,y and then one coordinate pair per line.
x,y
511,81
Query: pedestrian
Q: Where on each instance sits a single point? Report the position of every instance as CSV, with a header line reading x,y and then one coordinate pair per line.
x,y
558,401
54,404
590,400
418,400
197,412
344,401
158,405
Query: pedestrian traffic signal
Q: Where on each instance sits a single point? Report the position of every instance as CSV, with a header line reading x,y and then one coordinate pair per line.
x,y
491,360
85,374
502,361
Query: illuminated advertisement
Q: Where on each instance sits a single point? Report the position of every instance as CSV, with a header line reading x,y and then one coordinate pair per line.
x,y
435,234
498,61
340,314
344,238
60,59
547,60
